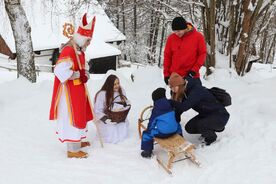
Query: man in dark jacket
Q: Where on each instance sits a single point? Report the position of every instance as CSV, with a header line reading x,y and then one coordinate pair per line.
x,y
212,115
185,50
162,122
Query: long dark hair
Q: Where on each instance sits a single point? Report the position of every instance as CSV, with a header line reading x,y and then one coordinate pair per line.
x,y
181,92
108,87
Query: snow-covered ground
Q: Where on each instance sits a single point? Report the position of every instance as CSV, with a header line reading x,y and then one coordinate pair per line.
x,y
245,153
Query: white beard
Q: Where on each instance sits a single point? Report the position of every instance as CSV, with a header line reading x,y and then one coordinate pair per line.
x,y
80,40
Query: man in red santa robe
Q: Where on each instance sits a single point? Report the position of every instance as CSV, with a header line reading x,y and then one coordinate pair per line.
x,y
70,105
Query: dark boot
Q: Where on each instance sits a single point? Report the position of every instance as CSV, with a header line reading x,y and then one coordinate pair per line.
x,y
220,130
146,154
209,141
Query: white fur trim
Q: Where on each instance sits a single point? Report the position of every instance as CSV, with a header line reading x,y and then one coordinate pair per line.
x,y
80,39
88,26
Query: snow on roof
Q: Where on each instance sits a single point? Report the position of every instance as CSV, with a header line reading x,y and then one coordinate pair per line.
x,y
99,49
47,22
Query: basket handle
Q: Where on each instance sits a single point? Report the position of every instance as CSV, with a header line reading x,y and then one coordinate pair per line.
x,y
118,96
112,102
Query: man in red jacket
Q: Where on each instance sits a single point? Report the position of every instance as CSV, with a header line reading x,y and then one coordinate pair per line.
x,y
185,50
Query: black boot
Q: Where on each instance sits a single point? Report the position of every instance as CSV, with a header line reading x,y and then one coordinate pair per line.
x,y
220,130
146,154
209,141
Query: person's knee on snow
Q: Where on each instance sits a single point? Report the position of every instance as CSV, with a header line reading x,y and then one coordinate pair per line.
x,y
191,128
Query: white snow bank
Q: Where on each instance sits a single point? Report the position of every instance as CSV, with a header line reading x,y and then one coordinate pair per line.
x,y
31,153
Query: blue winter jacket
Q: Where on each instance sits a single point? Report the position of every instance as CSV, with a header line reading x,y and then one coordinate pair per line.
x,y
162,120
199,99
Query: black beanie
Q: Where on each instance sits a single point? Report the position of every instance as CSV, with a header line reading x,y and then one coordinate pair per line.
x,y
179,23
158,94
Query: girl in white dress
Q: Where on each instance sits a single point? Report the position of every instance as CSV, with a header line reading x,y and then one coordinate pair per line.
x,y
111,132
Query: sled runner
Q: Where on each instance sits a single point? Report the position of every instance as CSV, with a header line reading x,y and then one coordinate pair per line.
x,y
175,146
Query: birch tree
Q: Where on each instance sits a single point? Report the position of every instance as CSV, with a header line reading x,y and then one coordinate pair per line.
x,y
22,36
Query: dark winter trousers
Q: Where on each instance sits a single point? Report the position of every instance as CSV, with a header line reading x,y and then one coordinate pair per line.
x,y
208,125
148,136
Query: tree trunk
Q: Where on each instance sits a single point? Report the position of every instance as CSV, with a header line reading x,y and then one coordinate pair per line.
x,y
151,32
135,19
124,27
212,34
247,27
164,26
263,22
154,41
123,17
118,14
135,29
163,33
156,33
209,32
272,47
263,44
237,23
22,36
231,30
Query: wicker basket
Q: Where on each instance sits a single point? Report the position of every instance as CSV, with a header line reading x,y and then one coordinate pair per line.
x,y
117,116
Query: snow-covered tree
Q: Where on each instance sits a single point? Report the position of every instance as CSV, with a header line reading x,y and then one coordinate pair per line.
x,y
22,36
245,31
240,29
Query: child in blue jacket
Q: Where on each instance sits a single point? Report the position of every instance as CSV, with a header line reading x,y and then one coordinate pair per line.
x,y
162,122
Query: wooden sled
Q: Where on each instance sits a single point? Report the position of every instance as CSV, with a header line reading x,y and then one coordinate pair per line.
x,y
175,146
144,120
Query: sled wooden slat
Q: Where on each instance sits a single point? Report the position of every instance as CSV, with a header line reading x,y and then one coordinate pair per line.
x,y
175,146
163,166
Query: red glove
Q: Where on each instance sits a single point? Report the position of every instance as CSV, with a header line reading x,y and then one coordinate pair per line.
x,y
83,76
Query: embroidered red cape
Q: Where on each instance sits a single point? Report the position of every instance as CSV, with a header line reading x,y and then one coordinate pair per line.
x,y
78,104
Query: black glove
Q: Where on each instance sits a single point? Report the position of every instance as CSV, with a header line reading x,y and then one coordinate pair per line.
x,y
166,80
191,73
103,119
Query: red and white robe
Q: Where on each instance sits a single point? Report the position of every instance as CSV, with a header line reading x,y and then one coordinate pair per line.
x,y
70,101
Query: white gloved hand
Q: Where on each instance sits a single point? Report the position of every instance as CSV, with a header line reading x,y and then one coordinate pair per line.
x,y
75,75
87,74
108,121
